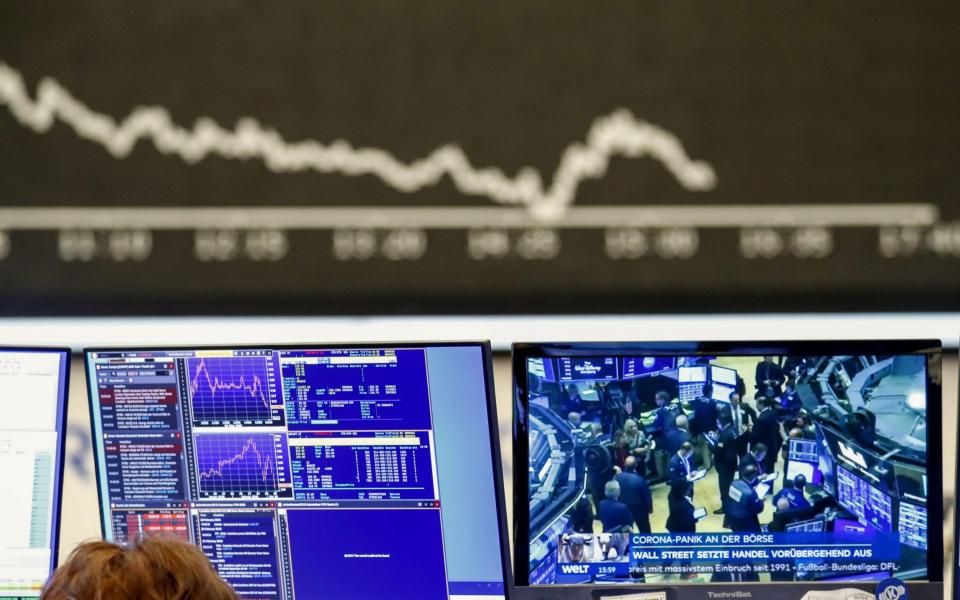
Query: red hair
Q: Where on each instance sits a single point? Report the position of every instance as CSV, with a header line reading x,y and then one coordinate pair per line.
x,y
160,568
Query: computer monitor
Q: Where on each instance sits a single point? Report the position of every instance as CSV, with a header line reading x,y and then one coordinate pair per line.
x,y
870,505
849,526
639,366
809,526
594,368
543,369
723,375
696,374
803,459
721,393
913,525
722,548
33,419
324,470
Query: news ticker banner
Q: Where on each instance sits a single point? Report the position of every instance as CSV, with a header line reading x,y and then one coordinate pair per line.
x,y
601,556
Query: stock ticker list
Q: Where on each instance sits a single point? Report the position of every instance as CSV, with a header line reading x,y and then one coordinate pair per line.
x,y
365,392
217,447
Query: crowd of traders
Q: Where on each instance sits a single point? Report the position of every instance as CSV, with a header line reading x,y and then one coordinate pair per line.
x,y
739,441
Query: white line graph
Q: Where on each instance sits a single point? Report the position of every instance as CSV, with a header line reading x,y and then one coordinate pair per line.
x,y
618,134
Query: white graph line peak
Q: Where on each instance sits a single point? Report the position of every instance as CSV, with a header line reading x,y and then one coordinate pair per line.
x,y
616,134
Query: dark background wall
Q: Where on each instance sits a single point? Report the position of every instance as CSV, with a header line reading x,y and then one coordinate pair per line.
x,y
830,131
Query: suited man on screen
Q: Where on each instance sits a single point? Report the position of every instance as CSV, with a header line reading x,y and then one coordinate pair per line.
x,y
680,467
742,418
757,457
635,493
726,457
614,514
744,506
769,377
767,432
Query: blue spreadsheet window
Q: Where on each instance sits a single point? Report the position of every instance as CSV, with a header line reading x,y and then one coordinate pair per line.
x,y
334,470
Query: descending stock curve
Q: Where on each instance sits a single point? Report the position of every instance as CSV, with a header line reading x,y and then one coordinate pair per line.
x,y
250,446
215,385
618,133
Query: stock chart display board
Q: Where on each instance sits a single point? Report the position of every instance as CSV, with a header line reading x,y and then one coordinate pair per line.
x,y
227,156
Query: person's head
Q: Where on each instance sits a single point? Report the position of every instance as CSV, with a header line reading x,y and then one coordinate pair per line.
x,y
630,464
759,451
574,418
707,391
630,427
763,402
768,359
619,438
783,504
158,568
596,429
800,481
682,422
748,473
686,449
678,489
734,398
795,434
572,390
724,419
612,490
661,398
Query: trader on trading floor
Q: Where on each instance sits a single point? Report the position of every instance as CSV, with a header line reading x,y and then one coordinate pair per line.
x,y
769,377
744,506
725,457
635,493
680,468
704,420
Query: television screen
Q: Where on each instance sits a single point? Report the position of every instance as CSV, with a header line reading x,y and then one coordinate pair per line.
x,y
708,514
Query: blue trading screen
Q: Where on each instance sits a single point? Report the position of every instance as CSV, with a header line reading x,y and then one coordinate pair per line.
x,y
869,504
638,366
588,369
306,469
609,507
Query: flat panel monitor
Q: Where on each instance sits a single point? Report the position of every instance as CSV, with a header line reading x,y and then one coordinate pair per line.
x,y
849,526
721,393
869,504
665,550
811,526
695,374
803,459
594,368
913,525
325,470
33,392
543,368
723,375
638,366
